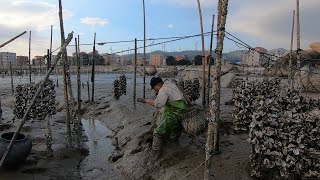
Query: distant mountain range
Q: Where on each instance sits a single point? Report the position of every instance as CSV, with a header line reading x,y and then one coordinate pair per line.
x,y
233,55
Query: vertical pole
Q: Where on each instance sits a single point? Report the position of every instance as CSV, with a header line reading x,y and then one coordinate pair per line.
x,y
291,80
64,58
203,59
50,55
79,50
214,120
135,73
144,51
0,110
11,75
93,66
48,59
298,42
209,62
30,57
48,138
78,131
88,88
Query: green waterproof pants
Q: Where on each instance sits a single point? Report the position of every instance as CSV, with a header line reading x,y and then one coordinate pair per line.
x,y
170,126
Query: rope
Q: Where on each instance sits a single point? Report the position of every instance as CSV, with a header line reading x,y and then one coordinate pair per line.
x,y
192,170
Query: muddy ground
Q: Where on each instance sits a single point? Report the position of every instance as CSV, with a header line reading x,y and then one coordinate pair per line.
x,y
117,141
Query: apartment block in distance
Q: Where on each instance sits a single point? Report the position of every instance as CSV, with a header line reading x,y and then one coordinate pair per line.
x,y
6,58
156,60
22,60
255,57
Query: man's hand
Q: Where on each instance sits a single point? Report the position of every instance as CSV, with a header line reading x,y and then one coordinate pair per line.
x,y
149,101
141,100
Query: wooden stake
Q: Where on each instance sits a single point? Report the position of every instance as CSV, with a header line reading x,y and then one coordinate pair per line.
x,y
214,120
9,41
291,79
135,73
11,75
50,55
209,62
30,57
48,138
0,110
48,59
25,116
64,58
79,49
298,42
88,88
144,51
203,59
93,67
78,130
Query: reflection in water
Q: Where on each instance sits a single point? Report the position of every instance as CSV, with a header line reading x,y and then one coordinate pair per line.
x,y
100,147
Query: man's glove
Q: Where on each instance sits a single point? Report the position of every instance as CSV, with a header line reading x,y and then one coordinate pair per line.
x,y
140,100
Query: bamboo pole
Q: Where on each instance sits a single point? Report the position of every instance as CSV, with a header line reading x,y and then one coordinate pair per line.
x,y
203,58
25,116
79,49
50,55
66,98
291,79
135,73
30,57
0,110
298,42
48,138
144,51
9,41
78,130
209,62
11,76
214,120
93,67
48,59
88,88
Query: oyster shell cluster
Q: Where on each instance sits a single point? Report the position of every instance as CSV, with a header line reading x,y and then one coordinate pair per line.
x,y
244,98
285,137
123,84
119,87
190,88
44,106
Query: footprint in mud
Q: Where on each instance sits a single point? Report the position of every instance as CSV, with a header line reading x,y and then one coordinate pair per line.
x,y
37,170
173,159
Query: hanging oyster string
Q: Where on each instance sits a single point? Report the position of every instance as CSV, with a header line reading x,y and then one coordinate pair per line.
x,y
119,87
44,106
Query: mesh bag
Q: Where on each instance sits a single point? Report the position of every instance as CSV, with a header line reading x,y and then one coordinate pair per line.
x,y
193,122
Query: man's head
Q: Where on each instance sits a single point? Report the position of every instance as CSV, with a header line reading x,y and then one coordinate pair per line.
x,y
156,83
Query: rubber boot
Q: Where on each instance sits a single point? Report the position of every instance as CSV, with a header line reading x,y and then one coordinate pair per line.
x,y
156,146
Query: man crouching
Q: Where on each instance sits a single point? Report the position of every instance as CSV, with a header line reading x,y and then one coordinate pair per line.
x,y
171,99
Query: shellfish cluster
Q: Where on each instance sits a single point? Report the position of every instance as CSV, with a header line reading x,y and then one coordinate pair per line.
x,y
244,98
190,88
120,87
285,137
45,104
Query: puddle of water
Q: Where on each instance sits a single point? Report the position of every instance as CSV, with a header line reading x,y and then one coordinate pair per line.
x,y
99,145
96,164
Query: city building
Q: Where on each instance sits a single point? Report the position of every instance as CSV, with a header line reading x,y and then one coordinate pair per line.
x,y
255,57
179,58
156,60
22,60
38,60
110,59
6,58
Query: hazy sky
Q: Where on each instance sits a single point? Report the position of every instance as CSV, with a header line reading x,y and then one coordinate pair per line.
x,y
257,22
